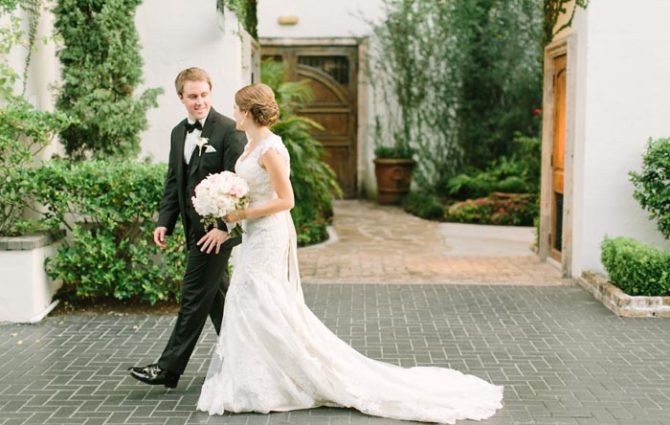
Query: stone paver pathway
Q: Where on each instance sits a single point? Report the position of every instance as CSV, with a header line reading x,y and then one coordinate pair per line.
x,y
383,244
562,357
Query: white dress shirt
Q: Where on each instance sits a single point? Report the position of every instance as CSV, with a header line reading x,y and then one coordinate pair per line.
x,y
191,139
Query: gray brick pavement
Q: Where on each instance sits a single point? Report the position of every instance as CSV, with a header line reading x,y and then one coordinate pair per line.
x,y
562,356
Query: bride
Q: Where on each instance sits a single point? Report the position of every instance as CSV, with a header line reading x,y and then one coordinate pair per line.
x,y
273,353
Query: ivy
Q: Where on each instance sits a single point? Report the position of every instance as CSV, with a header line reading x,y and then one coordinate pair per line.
x,y
102,67
553,9
8,5
32,8
12,35
246,12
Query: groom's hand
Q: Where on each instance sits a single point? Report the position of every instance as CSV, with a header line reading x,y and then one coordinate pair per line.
x,y
213,238
159,236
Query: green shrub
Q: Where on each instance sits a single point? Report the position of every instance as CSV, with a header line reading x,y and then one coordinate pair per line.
x,y
464,186
24,131
636,268
498,208
652,188
424,205
512,184
481,184
519,173
528,151
314,182
109,208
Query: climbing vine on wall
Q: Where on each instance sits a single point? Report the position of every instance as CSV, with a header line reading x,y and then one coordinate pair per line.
x,y
245,10
553,9
12,34
32,8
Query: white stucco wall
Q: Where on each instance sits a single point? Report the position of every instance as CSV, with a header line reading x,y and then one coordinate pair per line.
x,y
323,18
176,35
622,97
173,35
43,71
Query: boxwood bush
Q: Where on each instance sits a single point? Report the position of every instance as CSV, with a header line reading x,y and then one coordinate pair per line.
x,y
636,268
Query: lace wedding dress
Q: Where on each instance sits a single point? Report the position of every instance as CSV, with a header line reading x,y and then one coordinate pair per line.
x,y
274,354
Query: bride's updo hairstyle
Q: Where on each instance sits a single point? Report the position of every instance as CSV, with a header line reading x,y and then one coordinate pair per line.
x,y
259,101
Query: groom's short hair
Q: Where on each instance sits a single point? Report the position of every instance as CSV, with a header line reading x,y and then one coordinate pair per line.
x,y
191,74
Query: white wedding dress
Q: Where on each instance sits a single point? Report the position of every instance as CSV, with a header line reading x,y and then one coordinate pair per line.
x,y
274,354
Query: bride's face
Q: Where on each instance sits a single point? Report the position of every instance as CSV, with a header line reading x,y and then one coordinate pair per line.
x,y
241,121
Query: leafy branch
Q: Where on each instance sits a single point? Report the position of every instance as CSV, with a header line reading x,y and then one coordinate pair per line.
x,y
245,10
553,9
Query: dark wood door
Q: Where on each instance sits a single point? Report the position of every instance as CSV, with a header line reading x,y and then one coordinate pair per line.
x,y
558,156
331,73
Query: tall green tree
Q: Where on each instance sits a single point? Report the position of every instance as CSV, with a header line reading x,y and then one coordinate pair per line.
x,y
458,79
501,72
102,68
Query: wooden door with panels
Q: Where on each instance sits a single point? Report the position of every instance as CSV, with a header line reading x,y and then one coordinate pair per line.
x,y
331,74
558,157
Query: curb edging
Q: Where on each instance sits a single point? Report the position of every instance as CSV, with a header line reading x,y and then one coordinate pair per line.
x,y
619,302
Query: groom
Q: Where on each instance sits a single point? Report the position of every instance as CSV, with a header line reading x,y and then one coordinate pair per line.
x,y
204,143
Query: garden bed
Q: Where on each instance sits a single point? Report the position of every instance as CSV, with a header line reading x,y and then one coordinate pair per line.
x,y
621,303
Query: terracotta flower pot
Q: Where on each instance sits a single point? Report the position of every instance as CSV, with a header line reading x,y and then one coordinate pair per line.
x,y
394,176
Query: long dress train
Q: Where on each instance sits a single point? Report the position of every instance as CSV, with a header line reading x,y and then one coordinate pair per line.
x,y
274,354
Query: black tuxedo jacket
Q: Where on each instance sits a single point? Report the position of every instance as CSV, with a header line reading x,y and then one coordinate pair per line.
x,y
182,178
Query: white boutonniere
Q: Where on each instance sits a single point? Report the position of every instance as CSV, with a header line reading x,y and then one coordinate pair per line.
x,y
201,143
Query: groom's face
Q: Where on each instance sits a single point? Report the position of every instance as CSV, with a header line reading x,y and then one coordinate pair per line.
x,y
196,98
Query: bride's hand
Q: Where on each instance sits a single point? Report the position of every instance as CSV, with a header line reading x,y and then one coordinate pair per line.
x,y
234,216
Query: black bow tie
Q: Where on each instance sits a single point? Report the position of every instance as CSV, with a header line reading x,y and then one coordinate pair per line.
x,y
191,127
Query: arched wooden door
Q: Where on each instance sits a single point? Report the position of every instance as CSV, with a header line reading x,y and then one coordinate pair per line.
x,y
331,73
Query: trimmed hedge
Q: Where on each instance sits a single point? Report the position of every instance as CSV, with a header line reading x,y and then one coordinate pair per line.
x,y
636,268
109,208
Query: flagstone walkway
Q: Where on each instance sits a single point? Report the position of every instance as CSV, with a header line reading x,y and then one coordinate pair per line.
x,y
383,244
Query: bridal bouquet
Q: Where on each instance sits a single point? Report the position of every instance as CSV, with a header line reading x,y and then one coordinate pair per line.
x,y
218,195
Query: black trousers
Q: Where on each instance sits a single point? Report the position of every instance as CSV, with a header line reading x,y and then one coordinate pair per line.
x,y
203,294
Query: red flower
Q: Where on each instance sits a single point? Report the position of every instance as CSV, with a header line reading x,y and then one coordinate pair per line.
x,y
537,112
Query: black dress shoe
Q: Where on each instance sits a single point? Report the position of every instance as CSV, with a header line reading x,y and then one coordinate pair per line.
x,y
154,375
